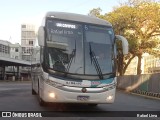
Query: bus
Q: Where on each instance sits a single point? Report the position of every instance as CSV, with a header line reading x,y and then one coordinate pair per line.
x,y
77,60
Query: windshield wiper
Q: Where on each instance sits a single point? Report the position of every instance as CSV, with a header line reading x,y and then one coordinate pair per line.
x,y
73,54
95,61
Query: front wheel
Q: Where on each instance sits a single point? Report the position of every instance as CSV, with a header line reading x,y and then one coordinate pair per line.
x,y
40,100
33,92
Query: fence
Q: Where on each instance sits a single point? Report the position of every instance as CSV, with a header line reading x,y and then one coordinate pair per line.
x,y
145,83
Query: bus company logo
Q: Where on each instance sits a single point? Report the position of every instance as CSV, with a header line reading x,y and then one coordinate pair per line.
x,y
6,114
84,90
95,83
66,25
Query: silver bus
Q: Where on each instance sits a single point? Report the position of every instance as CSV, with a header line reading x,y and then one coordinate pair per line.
x,y
77,60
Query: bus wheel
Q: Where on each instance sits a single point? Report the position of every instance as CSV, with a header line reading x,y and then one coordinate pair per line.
x,y
33,92
92,105
41,102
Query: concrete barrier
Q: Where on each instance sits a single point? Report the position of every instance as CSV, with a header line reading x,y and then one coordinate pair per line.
x,y
148,84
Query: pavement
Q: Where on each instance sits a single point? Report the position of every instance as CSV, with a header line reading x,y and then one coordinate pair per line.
x,y
150,96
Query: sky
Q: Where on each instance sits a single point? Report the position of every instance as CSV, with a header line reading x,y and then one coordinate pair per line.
x,y
16,12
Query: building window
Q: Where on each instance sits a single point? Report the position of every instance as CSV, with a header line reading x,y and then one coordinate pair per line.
x,y
23,26
26,57
0,47
30,42
27,50
16,50
16,57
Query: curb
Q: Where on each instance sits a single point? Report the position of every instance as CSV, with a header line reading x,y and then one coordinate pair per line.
x,y
150,97
146,93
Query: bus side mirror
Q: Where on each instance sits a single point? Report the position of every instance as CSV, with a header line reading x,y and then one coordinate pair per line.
x,y
41,36
124,43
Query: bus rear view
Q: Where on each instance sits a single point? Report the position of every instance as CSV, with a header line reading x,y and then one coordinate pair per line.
x,y
77,60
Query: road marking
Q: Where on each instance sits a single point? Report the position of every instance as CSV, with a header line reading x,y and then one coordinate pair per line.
x,y
5,89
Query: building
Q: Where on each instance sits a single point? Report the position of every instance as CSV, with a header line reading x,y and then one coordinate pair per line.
x,y
16,51
132,67
151,64
28,39
4,52
36,54
4,48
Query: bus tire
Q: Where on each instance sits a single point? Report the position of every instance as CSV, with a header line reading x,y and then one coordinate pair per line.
x,y
92,105
33,92
40,100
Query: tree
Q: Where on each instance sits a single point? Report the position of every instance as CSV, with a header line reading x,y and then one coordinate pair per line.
x,y
140,24
95,12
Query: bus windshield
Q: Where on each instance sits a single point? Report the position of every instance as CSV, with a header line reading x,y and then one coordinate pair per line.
x,y
78,48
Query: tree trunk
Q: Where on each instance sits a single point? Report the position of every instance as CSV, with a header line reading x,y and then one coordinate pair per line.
x,y
126,66
139,71
120,64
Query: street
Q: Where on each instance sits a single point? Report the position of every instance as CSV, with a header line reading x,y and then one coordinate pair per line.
x,y
16,96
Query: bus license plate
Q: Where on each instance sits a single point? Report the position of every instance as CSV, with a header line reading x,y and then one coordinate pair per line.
x,y
82,98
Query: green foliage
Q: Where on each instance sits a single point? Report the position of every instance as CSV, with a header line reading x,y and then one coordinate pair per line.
x,y
139,22
95,12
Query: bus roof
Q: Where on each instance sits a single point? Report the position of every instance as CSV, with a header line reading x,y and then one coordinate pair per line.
x,y
78,18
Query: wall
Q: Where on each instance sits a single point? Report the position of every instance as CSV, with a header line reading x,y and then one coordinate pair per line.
x,y
148,82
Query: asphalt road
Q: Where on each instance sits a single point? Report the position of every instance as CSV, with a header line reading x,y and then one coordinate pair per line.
x,y
16,96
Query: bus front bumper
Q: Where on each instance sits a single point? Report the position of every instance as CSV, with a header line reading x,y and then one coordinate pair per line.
x,y
75,95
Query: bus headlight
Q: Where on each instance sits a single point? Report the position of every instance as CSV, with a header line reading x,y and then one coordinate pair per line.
x,y
52,95
109,98
52,83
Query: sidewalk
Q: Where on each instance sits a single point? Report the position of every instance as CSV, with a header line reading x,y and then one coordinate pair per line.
x,y
143,94
146,93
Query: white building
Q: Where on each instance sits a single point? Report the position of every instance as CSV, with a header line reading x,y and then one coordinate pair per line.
x,y
4,48
149,64
28,39
16,51
36,54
